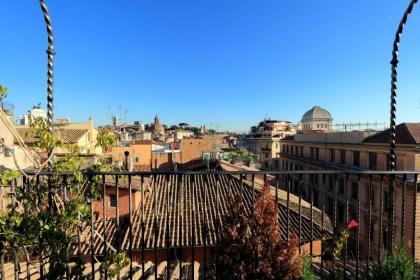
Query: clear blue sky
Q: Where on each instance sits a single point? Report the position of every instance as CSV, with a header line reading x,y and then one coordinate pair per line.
x,y
222,63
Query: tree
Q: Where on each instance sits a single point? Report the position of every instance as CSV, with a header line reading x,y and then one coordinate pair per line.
x,y
242,155
231,253
105,139
251,246
183,125
174,127
3,92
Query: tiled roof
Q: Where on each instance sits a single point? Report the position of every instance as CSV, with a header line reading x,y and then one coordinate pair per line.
x,y
178,223
407,133
68,135
142,142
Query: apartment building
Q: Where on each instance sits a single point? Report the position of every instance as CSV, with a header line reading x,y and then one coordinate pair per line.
x,y
84,135
340,195
264,140
139,155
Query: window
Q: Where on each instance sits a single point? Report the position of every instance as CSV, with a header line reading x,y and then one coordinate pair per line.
x,y
1,145
331,183
341,186
342,156
292,149
340,213
373,157
371,231
356,158
354,190
301,151
330,207
113,200
386,239
371,195
316,198
387,202
332,154
314,153
7,152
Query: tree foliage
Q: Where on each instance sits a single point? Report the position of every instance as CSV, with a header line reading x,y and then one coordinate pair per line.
x,y
45,220
105,139
307,272
243,155
251,246
183,125
3,92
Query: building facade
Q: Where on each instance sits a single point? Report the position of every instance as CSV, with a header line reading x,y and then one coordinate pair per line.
x,y
83,135
34,113
264,140
362,198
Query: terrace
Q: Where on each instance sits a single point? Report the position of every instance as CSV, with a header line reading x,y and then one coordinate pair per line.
x,y
174,221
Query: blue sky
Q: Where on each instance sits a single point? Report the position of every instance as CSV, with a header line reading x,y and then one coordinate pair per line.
x,y
223,63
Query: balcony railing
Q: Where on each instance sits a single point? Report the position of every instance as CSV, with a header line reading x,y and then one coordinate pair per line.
x,y
169,222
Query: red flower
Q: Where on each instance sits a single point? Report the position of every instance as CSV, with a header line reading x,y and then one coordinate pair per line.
x,y
353,224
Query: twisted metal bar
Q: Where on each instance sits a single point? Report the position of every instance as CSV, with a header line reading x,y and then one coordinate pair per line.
x,y
51,53
393,113
394,63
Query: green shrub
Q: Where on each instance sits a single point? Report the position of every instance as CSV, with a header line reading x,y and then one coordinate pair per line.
x,y
307,272
397,266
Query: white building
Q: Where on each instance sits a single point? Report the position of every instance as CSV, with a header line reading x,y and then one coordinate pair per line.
x,y
182,134
317,118
14,154
36,112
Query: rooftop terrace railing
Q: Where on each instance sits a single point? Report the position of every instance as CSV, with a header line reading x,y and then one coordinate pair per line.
x,y
168,223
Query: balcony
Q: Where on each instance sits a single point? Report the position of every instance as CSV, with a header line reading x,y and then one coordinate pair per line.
x,y
168,223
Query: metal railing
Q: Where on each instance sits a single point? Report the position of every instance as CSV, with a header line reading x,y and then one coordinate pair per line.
x,y
169,222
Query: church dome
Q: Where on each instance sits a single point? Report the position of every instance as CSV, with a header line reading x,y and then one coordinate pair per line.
x,y
317,113
157,126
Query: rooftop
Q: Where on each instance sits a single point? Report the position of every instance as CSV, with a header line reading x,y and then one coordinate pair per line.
x,y
68,135
407,133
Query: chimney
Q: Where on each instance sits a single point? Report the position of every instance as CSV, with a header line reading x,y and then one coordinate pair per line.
x,y
9,114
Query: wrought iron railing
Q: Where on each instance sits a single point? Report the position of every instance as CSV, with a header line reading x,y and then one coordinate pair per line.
x,y
169,222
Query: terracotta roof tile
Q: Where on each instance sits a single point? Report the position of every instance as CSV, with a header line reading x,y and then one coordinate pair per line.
x,y
68,135
407,133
